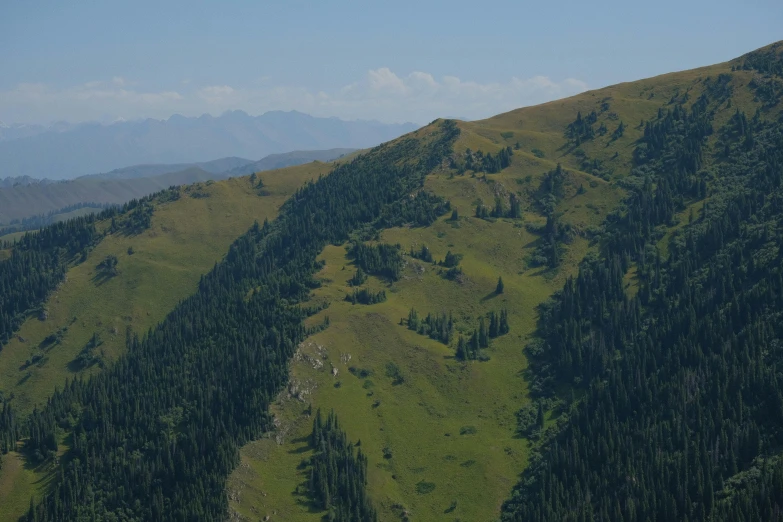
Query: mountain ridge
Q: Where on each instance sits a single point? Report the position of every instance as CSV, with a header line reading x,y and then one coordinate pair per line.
x,y
92,147
603,227
20,201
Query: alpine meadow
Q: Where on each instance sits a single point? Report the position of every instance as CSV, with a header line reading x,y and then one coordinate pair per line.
x,y
572,311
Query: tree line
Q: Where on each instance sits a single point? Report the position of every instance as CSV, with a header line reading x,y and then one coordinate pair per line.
x,y
676,405
156,434
338,473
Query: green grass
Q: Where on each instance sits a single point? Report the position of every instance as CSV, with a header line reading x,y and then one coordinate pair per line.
x,y
450,426
186,239
19,481
12,237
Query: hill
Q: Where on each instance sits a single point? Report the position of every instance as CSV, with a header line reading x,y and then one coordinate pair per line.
x,y
565,312
77,150
31,205
20,180
288,159
217,166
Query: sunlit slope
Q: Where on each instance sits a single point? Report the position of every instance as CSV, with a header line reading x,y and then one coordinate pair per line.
x,y
443,444
450,426
543,127
186,239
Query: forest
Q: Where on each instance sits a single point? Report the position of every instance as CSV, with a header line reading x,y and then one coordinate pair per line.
x,y
39,260
655,372
164,423
675,405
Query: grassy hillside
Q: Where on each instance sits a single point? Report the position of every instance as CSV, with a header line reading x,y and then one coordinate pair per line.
x,y
31,200
451,424
441,434
185,240
450,428
122,185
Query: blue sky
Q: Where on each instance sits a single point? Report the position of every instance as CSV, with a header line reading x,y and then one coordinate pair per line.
x,y
391,61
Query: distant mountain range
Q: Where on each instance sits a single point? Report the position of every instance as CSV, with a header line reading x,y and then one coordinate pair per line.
x,y
21,180
66,151
22,198
218,166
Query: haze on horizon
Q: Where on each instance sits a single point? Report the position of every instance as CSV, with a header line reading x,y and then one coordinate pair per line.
x,y
107,61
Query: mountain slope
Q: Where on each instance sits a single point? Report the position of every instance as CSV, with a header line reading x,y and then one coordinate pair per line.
x,y
630,238
217,166
88,148
414,482
279,161
121,185
185,239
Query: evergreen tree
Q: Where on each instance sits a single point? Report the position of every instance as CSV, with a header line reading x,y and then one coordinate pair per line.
x,y
462,349
503,327
494,325
483,336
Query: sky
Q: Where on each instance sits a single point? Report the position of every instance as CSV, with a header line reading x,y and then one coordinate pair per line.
x,y
389,61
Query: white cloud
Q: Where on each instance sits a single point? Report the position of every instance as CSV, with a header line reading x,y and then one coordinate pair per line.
x,y
92,100
216,94
381,94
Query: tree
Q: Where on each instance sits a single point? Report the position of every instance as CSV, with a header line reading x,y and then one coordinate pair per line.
x,y
494,326
474,344
515,207
540,418
109,265
462,349
499,287
503,327
454,215
483,337
358,278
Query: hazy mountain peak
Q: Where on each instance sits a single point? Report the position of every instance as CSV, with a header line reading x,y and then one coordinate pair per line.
x,y
65,150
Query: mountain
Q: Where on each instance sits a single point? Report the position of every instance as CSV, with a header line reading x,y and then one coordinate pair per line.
x,y
21,180
87,148
19,130
288,159
572,311
217,166
22,198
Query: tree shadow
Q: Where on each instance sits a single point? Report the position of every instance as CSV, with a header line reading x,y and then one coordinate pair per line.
x,y
304,448
490,296
100,278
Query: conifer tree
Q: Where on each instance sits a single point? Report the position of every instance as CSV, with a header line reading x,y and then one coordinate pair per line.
x,y
462,349
503,327
474,345
483,337
494,327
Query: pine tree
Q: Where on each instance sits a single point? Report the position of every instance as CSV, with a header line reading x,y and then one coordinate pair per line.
x,y
503,327
474,345
540,418
483,338
494,327
462,349
413,320
499,287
